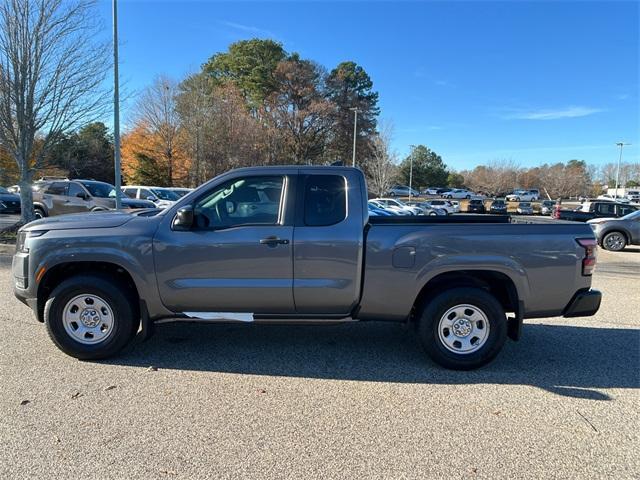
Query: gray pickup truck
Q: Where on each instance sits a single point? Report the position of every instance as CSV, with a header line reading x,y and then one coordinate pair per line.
x,y
296,244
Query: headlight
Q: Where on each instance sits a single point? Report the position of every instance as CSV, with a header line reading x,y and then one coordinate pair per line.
x,y
22,237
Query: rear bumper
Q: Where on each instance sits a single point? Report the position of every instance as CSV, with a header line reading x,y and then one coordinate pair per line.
x,y
584,303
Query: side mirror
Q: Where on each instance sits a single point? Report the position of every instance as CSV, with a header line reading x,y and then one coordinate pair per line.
x,y
82,195
183,219
152,198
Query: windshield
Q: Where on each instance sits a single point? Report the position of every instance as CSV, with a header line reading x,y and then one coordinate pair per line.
x,y
164,194
100,189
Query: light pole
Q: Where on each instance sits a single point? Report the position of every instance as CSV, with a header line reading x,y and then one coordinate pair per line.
x,y
116,109
355,133
619,144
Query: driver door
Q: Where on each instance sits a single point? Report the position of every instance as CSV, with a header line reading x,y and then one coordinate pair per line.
x,y
238,255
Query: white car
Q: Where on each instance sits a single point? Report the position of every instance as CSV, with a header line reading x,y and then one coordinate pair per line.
x,y
611,198
446,205
458,193
523,196
397,206
162,197
180,191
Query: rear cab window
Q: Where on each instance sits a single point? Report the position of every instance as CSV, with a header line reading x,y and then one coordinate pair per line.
x,y
325,200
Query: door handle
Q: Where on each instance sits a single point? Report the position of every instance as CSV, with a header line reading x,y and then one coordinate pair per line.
x,y
273,241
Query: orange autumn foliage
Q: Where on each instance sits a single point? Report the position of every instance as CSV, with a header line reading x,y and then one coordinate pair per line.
x,y
141,148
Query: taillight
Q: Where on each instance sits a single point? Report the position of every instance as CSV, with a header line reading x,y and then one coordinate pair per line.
x,y
590,254
556,213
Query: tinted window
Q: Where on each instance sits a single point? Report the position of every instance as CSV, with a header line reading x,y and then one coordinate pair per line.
x,y
75,189
325,200
100,189
626,209
144,193
244,201
130,192
606,208
57,188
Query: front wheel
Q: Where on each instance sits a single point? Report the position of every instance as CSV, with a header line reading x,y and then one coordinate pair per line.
x,y
463,328
614,241
39,213
90,317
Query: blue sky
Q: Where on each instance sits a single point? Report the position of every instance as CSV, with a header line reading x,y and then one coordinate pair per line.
x,y
477,81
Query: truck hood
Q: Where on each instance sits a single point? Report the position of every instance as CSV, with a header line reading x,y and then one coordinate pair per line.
x,y
80,221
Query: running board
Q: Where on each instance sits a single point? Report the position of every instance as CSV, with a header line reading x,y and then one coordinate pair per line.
x,y
240,317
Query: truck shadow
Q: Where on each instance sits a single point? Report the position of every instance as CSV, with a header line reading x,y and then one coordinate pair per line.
x,y
565,360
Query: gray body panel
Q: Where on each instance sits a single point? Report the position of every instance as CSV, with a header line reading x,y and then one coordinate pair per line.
x,y
341,270
630,228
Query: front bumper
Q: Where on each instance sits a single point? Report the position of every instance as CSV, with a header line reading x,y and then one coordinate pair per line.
x,y
584,303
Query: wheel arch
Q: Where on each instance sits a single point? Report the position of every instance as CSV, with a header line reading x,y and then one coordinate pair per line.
x,y
66,269
497,283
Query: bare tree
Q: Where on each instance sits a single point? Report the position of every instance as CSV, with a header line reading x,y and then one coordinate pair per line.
x,y
51,79
382,166
157,111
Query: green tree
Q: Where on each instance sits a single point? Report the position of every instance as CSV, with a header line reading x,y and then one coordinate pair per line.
x,y
250,65
87,153
349,86
428,168
455,180
150,171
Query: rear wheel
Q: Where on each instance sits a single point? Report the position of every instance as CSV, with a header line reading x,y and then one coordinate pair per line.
x,y
39,213
614,241
463,328
89,317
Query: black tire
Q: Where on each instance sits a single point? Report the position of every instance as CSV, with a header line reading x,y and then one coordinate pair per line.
x,y
122,303
39,213
435,309
468,197
614,241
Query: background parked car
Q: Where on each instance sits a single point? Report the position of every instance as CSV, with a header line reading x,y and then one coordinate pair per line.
x,y
446,205
377,211
612,198
180,191
427,209
397,206
616,233
458,193
161,197
476,206
547,206
498,206
382,207
525,208
598,209
9,202
403,191
75,196
523,196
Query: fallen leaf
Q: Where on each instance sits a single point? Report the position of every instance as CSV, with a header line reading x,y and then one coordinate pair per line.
x,y
77,395
497,412
25,402
110,387
56,438
261,390
152,369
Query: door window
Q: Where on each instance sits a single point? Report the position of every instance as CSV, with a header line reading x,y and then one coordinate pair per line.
x,y
146,194
130,192
243,201
325,200
75,189
626,209
606,208
57,188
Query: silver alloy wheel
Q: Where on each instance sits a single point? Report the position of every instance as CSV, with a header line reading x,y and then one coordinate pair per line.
x,y
614,241
88,319
463,329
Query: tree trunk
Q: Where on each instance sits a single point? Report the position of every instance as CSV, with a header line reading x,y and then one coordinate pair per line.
x,y
26,194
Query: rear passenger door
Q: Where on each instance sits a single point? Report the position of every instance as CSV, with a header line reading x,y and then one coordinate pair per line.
x,y
328,244
55,197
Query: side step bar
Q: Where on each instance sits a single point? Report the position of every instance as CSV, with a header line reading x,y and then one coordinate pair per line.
x,y
241,317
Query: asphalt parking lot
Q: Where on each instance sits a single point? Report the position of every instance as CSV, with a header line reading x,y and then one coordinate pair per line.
x,y
350,401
